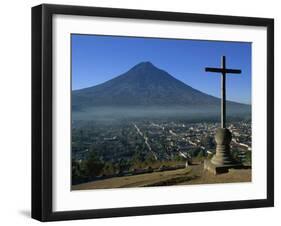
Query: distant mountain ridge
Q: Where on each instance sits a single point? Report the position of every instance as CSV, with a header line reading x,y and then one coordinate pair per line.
x,y
143,85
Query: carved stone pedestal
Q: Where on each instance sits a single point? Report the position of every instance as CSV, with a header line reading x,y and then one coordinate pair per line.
x,y
222,161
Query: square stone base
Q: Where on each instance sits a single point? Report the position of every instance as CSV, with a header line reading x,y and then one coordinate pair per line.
x,y
215,169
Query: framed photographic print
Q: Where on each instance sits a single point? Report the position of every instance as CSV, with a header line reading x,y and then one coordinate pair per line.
x,y
145,112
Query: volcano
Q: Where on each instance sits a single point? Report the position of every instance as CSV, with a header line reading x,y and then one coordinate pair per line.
x,y
145,86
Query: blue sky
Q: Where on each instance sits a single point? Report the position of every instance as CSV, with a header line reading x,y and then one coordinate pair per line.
x,y
96,59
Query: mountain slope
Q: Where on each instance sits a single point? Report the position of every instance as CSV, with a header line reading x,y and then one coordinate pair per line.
x,y
143,85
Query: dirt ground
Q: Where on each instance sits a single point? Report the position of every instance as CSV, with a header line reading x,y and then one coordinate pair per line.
x,y
234,175
192,175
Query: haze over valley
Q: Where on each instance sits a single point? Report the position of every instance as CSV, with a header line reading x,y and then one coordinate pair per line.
x,y
146,91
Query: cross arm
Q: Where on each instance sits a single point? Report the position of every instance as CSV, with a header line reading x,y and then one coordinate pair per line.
x,y
211,69
233,71
221,70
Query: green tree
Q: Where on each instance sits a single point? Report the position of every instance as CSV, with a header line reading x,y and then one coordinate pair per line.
x,y
150,159
93,165
123,165
109,168
137,160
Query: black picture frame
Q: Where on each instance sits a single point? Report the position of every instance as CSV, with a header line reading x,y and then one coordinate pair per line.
x,y
42,111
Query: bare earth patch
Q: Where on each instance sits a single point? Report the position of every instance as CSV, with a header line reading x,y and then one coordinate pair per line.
x,y
192,175
234,175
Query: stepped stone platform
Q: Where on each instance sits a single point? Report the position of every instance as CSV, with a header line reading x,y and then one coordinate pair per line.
x,y
222,161
218,169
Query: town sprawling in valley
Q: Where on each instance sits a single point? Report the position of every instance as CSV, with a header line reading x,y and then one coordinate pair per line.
x,y
106,150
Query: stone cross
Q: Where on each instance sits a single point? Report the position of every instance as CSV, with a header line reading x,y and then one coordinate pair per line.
x,y
222,160
223,70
